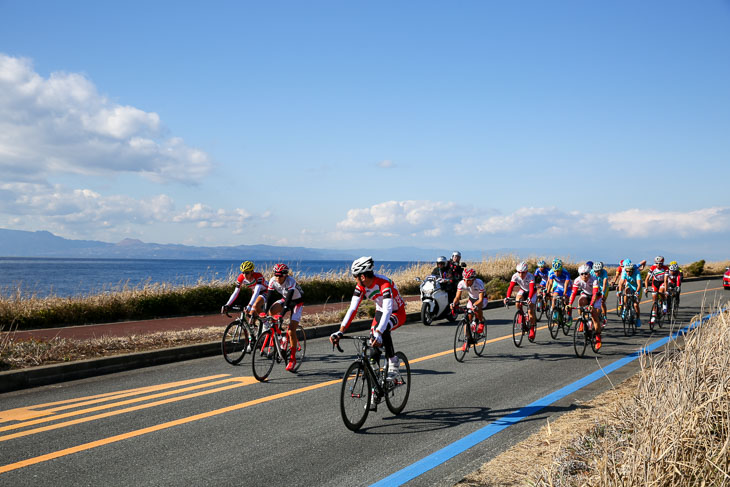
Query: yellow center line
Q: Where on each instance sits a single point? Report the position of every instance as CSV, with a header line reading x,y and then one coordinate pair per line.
x,y
37,410
243,381
197,417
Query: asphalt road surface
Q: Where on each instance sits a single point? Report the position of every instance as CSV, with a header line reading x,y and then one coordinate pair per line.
x,y
205,422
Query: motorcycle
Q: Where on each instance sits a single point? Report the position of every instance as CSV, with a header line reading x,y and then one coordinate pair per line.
x,y
435,301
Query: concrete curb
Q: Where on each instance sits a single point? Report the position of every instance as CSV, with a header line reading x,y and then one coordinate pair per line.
x,y
51,374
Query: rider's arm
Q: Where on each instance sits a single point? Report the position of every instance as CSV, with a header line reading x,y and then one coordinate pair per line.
x,y
509,289
531,293
354,304
573,294
595,293
287,298
457,298
257,289
234,295
385,318
679,279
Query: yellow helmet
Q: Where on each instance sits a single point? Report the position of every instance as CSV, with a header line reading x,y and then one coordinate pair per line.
x,y
674,262
247,266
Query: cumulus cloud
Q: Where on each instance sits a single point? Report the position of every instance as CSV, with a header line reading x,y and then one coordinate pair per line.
x,y
62,125
437,218
386,164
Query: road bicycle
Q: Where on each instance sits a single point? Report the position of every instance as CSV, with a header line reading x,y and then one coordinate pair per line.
x,y
521,322
619,303
368,380
467,335
273,346
239,335
583,333
628,316
656,318
672,304
556,318
541,304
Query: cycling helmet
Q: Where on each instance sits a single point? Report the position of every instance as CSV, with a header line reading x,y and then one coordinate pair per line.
x,y
521,267
281,270
456,254
557,264
590,264
673,262
361,265
470,274
598,266
659,259
621,264
247,266
584,269
541,264
441,260
628,265
674,267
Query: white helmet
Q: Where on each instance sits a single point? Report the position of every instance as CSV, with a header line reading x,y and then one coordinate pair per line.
x,y
441,260
363,264
598,266
584,269
521,267
659,259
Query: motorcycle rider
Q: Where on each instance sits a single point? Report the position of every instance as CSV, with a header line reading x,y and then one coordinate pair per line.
x,y
444,273
456,266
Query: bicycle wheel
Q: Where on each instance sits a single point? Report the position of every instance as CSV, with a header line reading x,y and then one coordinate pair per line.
x,y
539,309
631,314
517,329
618,306
234,342
480,341
580,340
398,388
461,345
553,325
263,355
654,316
675,308
355,396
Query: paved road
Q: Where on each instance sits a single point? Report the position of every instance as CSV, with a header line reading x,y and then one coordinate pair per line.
x,y
206,422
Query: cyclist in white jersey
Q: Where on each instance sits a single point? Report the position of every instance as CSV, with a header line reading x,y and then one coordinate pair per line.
x,y
477,296
526,282
586,286
292,299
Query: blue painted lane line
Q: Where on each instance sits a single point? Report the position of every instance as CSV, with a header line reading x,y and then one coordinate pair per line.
x,y
448,452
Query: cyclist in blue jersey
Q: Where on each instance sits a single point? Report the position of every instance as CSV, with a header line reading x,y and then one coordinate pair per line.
x,y
631,279
601,275
541,273
558,282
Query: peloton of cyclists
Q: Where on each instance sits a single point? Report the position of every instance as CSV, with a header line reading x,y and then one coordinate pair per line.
x,y
526,282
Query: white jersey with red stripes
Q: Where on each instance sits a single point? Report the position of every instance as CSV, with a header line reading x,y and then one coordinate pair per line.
x,y
383,293
257,284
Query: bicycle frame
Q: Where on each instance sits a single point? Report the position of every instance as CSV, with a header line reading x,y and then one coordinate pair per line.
x,y
361,352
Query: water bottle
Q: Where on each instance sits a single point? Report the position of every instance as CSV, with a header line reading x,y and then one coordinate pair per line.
x,y
473,326
283,342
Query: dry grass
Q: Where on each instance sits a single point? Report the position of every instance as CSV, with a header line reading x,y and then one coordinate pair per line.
x,y
716,267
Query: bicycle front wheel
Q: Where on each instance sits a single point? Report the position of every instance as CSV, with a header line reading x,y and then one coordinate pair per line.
x,y
552,325
518,330
461,337
355,396
539,309
263,355
580,339
234,343
398,386
301,350
618,305
654,316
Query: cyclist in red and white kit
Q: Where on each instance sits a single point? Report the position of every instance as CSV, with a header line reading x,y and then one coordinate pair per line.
x,y
526,281
658,275
585,287
256,283
390,310
292,299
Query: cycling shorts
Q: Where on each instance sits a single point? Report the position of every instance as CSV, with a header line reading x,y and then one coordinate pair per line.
x,y
470,303
558,289
523,294
296,312
396,319
656,285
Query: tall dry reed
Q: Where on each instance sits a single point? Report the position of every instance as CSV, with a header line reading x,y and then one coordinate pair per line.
x,y
676,429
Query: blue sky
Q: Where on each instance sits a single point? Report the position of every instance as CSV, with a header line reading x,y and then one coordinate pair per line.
x,y
473,125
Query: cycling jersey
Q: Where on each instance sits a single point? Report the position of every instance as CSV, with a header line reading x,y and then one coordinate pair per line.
x,y
675,279
600,277
527,285
474,290
291,294
560,282
658,272
541,276
632,280
257,284
588,288
387,301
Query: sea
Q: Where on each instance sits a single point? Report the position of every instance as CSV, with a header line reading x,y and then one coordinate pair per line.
x,y
42,277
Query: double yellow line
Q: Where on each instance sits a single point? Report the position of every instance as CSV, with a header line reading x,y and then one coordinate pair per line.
x,y
47,412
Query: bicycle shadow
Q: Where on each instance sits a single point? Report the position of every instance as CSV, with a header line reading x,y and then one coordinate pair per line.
x,y
435,419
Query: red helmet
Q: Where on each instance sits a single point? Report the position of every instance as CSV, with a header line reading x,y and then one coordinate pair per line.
x,y
281,270
470,274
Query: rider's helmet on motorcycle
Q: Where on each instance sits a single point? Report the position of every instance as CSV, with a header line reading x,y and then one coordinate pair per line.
x,y
441,262
456,256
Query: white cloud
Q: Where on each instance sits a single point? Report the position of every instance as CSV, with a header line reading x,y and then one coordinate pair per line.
x,y
61,124
395,217
645,223
386,164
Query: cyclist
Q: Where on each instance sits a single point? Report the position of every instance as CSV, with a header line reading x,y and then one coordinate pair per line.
x,y
601,276
674,279
631,279
526,281
657,275
477,297
254,281
446,277
291,300
456,266
558,283
587,287
390,310
542,273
